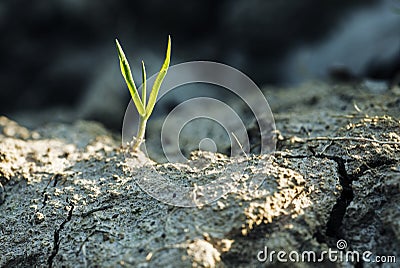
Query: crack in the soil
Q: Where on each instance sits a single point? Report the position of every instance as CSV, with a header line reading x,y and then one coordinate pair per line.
x,y
338,211
335,221
96,209
44,192
45,199
57,241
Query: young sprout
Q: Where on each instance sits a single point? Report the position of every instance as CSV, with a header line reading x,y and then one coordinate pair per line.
x,y
144,109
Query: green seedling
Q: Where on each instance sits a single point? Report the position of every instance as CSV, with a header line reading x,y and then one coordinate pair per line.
x,y
144,109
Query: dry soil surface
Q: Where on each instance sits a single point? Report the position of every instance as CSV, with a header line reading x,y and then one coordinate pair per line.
x,y
69,199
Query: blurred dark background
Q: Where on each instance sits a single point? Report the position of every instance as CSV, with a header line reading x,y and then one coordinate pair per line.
x,y
58,58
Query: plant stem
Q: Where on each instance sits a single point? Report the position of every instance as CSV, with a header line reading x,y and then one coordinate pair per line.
x,y
140,135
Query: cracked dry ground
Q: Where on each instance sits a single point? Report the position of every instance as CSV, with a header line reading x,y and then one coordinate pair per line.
x,y
68,198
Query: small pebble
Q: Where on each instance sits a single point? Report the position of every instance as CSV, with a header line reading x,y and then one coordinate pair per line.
x,y
39,217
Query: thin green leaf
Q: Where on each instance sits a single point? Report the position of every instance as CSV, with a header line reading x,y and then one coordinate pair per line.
x,y
144,84
127,74
158,81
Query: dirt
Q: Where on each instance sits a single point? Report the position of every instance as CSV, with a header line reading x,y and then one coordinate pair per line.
x,y
69,198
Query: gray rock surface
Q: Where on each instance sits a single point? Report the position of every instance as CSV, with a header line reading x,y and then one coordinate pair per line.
x,y
71,200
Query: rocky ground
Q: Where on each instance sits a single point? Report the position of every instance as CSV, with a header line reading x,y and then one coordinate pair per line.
x,y
68,197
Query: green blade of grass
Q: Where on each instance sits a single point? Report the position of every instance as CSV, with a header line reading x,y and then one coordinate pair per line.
x,y
127,74
144,85
158,81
